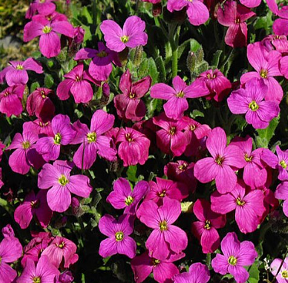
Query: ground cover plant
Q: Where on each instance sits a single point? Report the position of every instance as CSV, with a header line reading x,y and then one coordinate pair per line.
x,y
146,141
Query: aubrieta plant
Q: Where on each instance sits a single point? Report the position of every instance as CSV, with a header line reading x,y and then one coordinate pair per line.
x,y
146,141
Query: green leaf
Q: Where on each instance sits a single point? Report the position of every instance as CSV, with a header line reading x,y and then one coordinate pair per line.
x,y
253,273
131,173
265,135
196,113
216,58
161,68
143,68
48,81
87,15
34,86
152,70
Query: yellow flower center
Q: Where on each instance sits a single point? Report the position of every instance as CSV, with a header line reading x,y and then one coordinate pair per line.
x,y
36,279
129,200
219,159
26,144
119,236
63,180
163,226
172,131
240,202
232,260
78,79
284,274
211,76
6,93
34,203
248,158
162,194
264,74
91,137
19,67
43,95
207,225
237,21
283,164
61,245
102,54
180,94
253,106
192,127
128,137
132,95
124,38
155,261
183,167
47,29
57,138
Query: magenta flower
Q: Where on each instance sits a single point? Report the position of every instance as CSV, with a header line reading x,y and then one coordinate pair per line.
x,y
44,7
101,65
163,188
61,250
236,256
123,197
39,104
10,251
133,146
177,103
65,277
49,43
254,174
205,229
197,12
165,238
163,270
128,104
43,272
42,128
93,141
11,100
219,86
278,162
218,166
250,101
282,275
249,207
282,193
181,171
77,84
250,3
267,67
25,154
49,147
131,36
233,16
33,205
57,179
16,73
170,137
198,273
278,43
118,233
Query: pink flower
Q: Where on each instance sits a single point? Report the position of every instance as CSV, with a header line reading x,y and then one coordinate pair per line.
x,y
250,101
25,154
49,43
123,197
16,73
33,205
133,146
249,207
170,137
42,7
49,147
197,12
163,188
65,277
10,251
254,174
93,141
39,104
176,105
163,270
218,166
219,86
250,3
11,100
205,229
131,36
276,42
61,250
267,67
118,233
165,238
43,272
198,273
282,275
101,64
129,104
233,16
57,179
236,255
282,193
77,84
278,162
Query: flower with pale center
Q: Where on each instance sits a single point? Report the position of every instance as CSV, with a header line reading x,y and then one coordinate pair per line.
x,y
35,203
102,54
284,274
47,29
264,74
119,236
57,138
128,137
240,202
172,131
26,145
180,94
61,245
207,225
248,158
19,67
63,180
219,159
283,164
129,200
37,280
163,225
91,137
155,261
253,106
124,38
232,260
